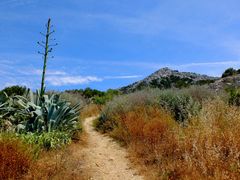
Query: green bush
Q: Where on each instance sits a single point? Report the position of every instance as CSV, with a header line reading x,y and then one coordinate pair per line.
x,y
229,72
172,81
87,93
11,91
92,95
107,96
234,97
182,106
47,140
206,81
14,90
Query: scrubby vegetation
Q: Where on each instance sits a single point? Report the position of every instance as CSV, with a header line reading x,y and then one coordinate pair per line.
x,y
31,114
183,104
15,157
95,96
41,124
40,120
47,123
13,90
230,72
174,81
234,96
177,134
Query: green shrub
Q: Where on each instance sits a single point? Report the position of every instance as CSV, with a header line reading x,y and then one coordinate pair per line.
x,y
11,91
92,95
229,72
14,90
108,96
172,81
87,93
234,97
206,81
47,140
182,106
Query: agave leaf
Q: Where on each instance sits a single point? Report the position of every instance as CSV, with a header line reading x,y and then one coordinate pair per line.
x,y
20,127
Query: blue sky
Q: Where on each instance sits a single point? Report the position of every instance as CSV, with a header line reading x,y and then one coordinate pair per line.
x,y
110,43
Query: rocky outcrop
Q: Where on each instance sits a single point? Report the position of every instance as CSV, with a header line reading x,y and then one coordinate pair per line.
x,y
166,78
226,83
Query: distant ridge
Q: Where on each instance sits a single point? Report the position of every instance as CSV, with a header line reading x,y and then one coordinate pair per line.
x,y
166,78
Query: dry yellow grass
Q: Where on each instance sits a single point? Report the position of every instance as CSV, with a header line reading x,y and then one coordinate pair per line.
x,y
90,110
15,158
66,163
208,148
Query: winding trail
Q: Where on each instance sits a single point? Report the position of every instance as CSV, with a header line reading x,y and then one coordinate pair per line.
x,y
105,159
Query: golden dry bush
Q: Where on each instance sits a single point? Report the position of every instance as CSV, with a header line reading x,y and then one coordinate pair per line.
x,y
90,110
15,159
208,147
66,163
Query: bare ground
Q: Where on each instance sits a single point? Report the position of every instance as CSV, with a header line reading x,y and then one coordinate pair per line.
x,y
104,158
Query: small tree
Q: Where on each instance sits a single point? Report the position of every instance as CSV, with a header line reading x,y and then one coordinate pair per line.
x,y
238,71
47,49
229,72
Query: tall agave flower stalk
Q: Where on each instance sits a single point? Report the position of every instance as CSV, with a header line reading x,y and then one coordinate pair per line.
x,y
47,49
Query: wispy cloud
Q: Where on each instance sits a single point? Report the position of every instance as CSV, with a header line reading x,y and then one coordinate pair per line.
x,y
15,72
175,20
39,72
71,80
208,64
123,77
79,80
156,65
15,3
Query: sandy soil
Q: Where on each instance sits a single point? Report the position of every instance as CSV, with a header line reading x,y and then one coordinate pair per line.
x,y
104,158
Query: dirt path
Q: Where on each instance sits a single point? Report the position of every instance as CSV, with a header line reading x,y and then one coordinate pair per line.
x,y
105,159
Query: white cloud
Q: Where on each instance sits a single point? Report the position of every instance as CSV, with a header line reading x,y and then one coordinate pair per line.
x,y
182,21
14,3
208,64
38,72
71,80
49,72
123,77
156,65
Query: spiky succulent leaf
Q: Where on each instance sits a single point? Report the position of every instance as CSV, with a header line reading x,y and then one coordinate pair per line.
x,y
46,115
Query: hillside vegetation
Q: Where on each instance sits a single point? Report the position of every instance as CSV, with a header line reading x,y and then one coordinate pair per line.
x,y
166,78
175,125
182,134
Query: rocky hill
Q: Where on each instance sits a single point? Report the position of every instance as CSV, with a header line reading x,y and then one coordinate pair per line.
x,y
226,83
166,78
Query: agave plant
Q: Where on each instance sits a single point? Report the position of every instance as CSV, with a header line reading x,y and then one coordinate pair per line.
x,y
31,113
11,114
